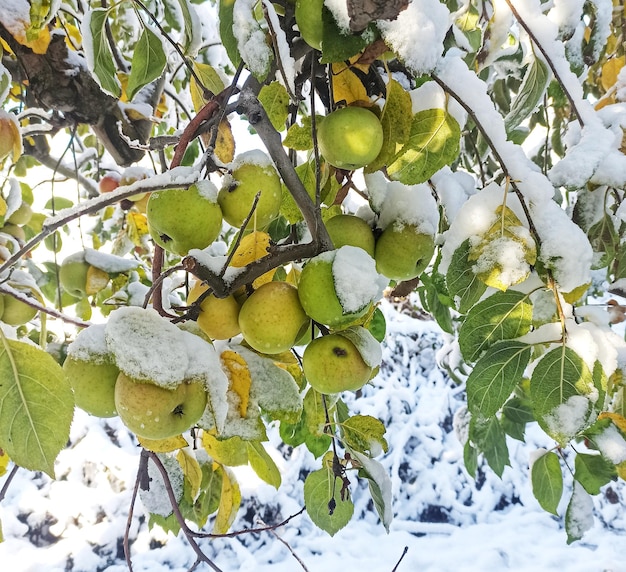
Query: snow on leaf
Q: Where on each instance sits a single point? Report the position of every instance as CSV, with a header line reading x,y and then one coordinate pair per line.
x,y
547,481
230,501
321,488
379,484
495,376
502,316
263,465
367,345
560,389
433,143
579,514
155,498
98,51
227,35
251,39
36,406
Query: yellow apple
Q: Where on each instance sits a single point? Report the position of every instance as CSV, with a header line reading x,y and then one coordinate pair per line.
x,y
333,364
272,319
154,412
219,317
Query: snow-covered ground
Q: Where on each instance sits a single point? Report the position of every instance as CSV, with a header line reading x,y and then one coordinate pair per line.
x,y
448,521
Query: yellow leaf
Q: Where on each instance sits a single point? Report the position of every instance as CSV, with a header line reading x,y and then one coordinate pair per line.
x,y
610,71
137,227
25,34
618,420
239,378
252,247
163,445
4,462
347,86
225,142
231,452
575,294
3,207
10,136
73,37
191,470
209,78
97,280
230,501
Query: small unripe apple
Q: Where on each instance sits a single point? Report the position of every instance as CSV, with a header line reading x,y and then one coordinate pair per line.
x,y
350,138
15,311
403,253
73,274
154,412
93,383
219,317
272,318
182,219
309,19
333,364
15,231
351,230
252,172
22,215
109,182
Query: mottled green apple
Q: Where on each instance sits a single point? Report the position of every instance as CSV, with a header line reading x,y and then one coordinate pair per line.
x,y
350,138
219,317
318,295
16,312
309,19
154,412
333,364
403,253
272,318
22,215
93,383
182,219
351,230
252,172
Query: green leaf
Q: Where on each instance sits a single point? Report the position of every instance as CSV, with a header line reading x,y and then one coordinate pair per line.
x,y
470,459
103,64
495,376
378,325
36,406
516,413
188,18
433,143
379,485
225,16
320,488
275,101
208,500
579,514
432,301
463,284
263,465
337,46
490,439
604,239
559,387
299,137
396,123
593,472
148,62
365,434
5,83
530,93
502,316
547,481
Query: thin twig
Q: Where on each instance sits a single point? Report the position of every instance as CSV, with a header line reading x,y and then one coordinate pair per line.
x,y
5,486
395,568
129,521
266,528
284,542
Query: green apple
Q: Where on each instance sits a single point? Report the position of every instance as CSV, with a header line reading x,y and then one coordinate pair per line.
x,y
402,252
154,412
309,19
219,317
318,294
351,230
15,231
350,138
93,383
182,219
73,274
252,172
22,215
272,319
15,311
333,364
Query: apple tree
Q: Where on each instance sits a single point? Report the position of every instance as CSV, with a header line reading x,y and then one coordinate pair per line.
x,y
203,203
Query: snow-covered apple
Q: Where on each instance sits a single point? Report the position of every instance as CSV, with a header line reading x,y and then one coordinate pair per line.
x,y
154,412
182,219
350,138
109,182
333,364
251,172
272,318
